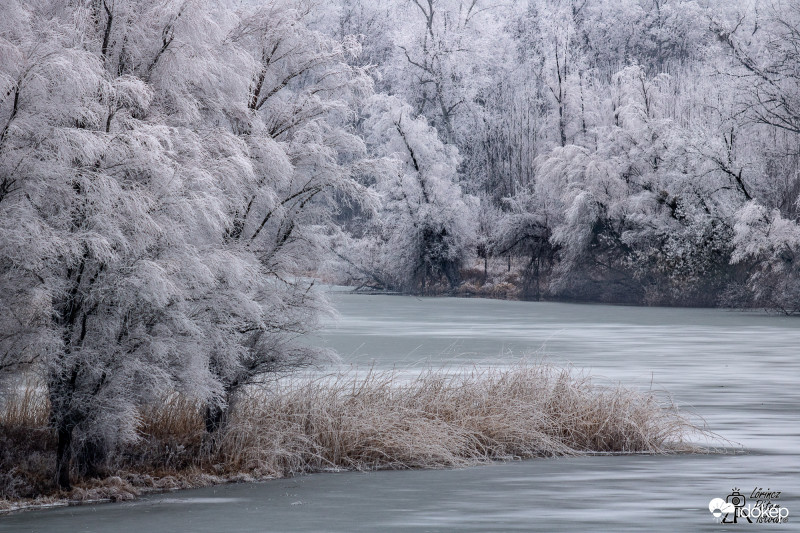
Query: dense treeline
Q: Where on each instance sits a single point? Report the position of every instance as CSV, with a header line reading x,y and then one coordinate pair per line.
x,y
643,151
173,174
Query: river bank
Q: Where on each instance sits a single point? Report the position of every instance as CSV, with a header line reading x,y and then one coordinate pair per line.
x,y
736,370
354,420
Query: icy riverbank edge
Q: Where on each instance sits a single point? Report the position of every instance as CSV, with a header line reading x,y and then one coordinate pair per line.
x,y
350,420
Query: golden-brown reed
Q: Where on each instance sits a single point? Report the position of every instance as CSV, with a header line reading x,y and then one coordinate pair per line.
x,y
25,407
384,419
440,419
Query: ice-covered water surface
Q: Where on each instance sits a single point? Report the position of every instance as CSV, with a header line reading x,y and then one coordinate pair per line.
x,y
739,371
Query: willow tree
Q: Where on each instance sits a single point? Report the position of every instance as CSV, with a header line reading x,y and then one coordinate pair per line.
x,y
155,205
422,233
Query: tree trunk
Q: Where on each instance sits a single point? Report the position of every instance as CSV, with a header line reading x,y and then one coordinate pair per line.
x,y
215,420
453,275
63,456
91,458
214,417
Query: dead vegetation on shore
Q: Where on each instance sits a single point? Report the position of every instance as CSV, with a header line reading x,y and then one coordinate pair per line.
x,y
353,421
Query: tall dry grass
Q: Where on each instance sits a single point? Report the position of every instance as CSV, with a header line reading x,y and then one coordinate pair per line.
x,y
443,419
370,420
26,444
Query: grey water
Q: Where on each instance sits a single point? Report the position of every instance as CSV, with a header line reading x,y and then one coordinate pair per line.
x,y
735,372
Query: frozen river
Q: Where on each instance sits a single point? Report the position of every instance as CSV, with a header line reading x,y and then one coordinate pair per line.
x,y
739,371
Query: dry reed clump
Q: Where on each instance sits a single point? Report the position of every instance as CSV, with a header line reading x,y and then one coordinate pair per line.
x,y
441,419
25,444
351,420
171,437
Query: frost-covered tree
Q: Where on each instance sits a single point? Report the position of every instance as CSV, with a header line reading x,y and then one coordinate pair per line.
x,y
525,232
109,227
771,244
422,234
762,45
165,172
627,134
645,210
293,117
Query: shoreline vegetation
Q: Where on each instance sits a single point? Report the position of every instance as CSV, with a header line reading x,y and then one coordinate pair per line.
x,y
349,420
498,282
508,285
